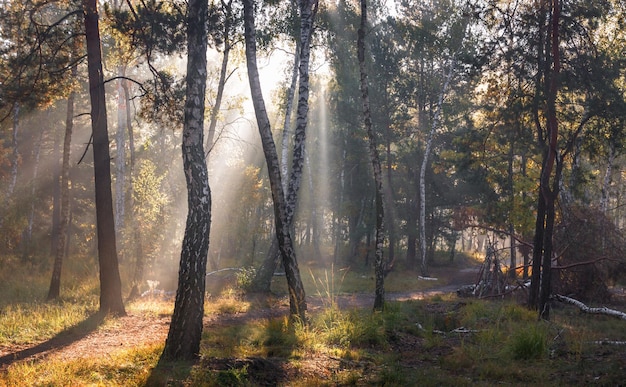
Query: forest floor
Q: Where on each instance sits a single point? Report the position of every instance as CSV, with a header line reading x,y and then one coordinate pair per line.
x,y
99,338
412,343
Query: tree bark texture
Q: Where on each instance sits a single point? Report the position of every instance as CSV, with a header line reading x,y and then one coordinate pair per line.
x,y
288,109
185,333
297,299
550,194
379,300
539,294
263,278
110,283
64,221
308,9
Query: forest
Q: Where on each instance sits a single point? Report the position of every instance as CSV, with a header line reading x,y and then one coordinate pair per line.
x,y
312,192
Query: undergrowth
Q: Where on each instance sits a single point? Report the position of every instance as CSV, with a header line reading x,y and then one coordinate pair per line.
x,y
438,341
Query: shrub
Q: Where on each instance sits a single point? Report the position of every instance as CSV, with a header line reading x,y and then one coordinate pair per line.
x,y
529,342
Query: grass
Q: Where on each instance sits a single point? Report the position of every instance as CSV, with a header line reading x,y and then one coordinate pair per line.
x,y
126,368
410,343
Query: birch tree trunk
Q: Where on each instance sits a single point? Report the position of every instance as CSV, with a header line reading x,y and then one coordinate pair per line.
x,y
110,282
308,10
606,182
284,158
379,300
228,15
120,161
185,333
422,179
339,213
297,299
263,278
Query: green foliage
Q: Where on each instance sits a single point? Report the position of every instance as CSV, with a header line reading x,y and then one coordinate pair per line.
x,y
529,342
232,377
245,276
148,193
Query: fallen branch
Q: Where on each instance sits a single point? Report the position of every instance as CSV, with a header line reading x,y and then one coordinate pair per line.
x,y
427,278
460,330
221,270
587,309
608,342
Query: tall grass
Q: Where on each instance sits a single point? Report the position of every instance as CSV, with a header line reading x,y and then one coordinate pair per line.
x,y
25,317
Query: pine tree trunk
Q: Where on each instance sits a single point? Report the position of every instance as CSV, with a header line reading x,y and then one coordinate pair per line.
x,y
512,248
379,265
28,234
297,299
110,282
56,195
137,239
185,333
55,282
552,193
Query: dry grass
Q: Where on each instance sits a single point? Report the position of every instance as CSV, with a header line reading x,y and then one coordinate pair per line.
x,y
247,342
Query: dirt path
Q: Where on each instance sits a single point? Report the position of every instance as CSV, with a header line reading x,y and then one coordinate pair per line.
x,y
139,330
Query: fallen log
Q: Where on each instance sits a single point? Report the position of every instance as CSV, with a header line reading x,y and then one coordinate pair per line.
x,y
584,308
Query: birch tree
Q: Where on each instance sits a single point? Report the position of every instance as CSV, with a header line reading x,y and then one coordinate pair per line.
x,y
297,299
185,333
379,300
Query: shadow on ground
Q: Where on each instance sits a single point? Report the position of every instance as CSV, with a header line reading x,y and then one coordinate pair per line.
x,y
63,339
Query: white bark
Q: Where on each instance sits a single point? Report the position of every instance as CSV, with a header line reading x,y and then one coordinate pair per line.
x,y
284,156
379,265
297,297
606,182
120,161
422,182
586,309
